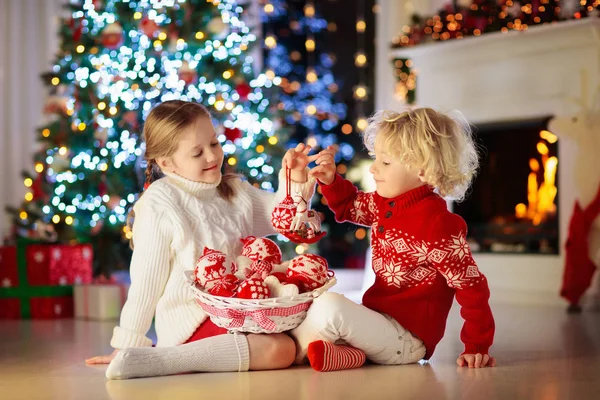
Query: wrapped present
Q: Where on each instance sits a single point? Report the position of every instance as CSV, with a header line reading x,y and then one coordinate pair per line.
x,y
59,264
9,274
101,300
35,279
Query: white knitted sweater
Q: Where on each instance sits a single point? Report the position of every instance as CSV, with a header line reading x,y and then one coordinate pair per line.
x,y
174,220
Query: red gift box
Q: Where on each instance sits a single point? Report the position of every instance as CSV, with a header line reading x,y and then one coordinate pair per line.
x,y
9,273
44,274
59,264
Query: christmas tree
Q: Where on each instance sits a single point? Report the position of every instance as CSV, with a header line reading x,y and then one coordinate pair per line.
x,y
117,59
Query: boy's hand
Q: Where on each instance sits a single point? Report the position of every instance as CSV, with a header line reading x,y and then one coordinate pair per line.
x,y
102,359
476,360
325,169
297,160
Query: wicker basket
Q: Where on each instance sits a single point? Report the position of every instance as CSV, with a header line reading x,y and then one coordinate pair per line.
x,y
272,315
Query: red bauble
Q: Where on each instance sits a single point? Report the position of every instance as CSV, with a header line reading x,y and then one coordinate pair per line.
x,y
283,214
243,89
261,249
309,271
211,267
225,287
253,289
187,74
112,36
149,27
232,134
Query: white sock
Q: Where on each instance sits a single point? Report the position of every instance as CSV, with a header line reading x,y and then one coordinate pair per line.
x,y
222,353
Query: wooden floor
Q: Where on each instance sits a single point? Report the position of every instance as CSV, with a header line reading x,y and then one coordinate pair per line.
x,y
542,352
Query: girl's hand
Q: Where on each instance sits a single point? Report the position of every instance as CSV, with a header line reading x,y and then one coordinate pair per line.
x,y
297,160
476,360
102,359
325,169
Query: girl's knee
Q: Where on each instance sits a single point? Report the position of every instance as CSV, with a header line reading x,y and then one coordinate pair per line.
x,y
282,351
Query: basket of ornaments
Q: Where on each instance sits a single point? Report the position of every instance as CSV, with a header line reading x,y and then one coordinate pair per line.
x,y
257,292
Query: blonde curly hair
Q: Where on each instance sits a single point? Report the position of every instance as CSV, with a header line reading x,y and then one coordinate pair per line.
x,y
440,145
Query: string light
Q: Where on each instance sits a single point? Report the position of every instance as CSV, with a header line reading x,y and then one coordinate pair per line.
x,y
310,45
270,42
28,182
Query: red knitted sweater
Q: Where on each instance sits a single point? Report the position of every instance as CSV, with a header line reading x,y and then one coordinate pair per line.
x,y
421,261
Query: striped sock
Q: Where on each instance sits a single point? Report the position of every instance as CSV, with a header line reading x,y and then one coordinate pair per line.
x,y
325,356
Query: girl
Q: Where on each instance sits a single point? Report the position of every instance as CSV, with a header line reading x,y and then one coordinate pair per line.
x,y
420,255
191,207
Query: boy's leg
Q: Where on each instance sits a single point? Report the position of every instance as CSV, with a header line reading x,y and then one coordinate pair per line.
x,y
222,353
333,318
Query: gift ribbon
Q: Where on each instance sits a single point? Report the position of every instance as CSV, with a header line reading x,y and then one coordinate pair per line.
x,y
260,316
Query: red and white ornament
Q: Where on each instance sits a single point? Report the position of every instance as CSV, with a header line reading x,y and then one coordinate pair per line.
x,y
261,248
187,74
253,289
149,27
225,287
309,271
283,214
211,267
112,36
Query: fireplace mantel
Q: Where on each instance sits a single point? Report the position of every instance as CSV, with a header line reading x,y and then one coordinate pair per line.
x,y
506,77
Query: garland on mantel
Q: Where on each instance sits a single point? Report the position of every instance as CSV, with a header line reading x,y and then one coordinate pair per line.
x,y
462,18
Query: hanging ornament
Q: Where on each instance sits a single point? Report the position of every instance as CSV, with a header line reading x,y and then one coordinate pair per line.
x,y
293,218
101,135
232,134
218,28
55,105
113,202
243,90
131,118
112,36
77,28
149,27
36,188
187,74
45,232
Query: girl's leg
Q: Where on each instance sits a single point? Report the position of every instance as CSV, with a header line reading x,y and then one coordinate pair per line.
x,y
333,318
222,353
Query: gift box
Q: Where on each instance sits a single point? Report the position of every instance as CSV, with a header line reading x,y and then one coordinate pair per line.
x,y
36,279
49,265
100,300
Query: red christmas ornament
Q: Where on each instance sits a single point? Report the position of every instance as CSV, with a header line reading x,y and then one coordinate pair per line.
x,y
187,74
36,188
253,289
579,269
149,27
112,36
243,90
232,134
225,287
287,210
77,28
211,267
261,249
309,271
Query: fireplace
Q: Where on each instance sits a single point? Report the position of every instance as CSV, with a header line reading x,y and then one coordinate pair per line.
x,y
512,205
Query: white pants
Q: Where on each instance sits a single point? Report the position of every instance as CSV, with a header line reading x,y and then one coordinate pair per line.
x,y
334,318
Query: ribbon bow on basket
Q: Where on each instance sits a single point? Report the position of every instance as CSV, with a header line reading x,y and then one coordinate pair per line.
x,y
293,218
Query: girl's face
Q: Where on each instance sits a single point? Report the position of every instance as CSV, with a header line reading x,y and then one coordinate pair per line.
x,y
391,176
199,155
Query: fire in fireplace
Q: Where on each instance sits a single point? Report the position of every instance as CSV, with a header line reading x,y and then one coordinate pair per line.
x,y
512,206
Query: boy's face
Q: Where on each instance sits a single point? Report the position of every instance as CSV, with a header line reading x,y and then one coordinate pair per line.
x,y
391,176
